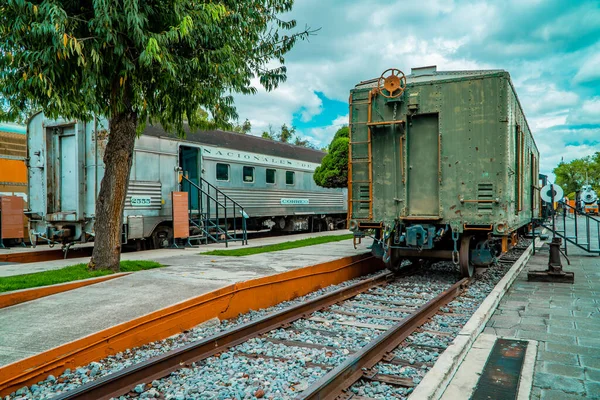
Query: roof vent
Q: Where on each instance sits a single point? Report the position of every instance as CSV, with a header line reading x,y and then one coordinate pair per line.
x,y
430,70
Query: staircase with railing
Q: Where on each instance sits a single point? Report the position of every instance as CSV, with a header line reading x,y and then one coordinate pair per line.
x,y
213,216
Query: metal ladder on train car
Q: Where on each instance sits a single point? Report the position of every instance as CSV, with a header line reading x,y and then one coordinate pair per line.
x,y
368,160
217,217
582,240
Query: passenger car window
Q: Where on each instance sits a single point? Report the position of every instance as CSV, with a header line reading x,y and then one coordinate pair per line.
x,y
248,174
270,175
222,172
289,177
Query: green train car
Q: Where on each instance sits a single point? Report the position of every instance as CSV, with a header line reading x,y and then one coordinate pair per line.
x,y
442,165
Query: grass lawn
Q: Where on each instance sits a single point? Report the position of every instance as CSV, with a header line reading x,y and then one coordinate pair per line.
x,y
248,251
67,274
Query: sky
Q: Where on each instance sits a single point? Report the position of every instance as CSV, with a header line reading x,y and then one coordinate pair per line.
x,y
551,48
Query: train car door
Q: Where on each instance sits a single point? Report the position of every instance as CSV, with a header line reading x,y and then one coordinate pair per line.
x,y
189,161
62,171
423,166
36,165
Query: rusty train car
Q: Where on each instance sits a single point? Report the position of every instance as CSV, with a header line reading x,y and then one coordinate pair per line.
x,y
442,164
13,171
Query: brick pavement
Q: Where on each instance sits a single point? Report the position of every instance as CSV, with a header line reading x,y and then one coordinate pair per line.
x,y
565,319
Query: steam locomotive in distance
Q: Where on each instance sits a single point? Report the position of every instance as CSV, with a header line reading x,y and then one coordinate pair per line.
x,y
588,200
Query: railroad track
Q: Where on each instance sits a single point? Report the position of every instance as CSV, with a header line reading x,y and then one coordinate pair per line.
x,y
376,315
369,339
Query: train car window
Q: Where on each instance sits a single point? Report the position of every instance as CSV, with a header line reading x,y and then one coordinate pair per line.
x,y
222,172
248,174
271,175
289,177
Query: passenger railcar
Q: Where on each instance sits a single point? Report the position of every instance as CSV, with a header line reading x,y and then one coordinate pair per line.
x,y
272,181
442,165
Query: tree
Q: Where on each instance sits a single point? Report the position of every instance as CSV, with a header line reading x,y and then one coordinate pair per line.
x,y
269,133
303,142
333,171
286,134
136,62
572,175
244,128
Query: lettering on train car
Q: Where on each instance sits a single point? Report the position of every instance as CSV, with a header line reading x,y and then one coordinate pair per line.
x,y
231,155
140,201
294,201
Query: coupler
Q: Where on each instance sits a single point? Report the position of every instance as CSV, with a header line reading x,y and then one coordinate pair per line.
x,y
554,273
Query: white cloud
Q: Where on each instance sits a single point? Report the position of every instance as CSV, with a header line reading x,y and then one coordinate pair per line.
x,y
588,113
278,107
538,42
545,98
590,70
322,136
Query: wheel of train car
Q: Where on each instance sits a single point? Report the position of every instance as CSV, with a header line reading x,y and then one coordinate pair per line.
x,y
162,237
394,262
467,269
394,83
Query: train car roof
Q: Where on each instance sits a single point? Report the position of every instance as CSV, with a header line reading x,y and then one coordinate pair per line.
x,y
429,74
242,142
12,128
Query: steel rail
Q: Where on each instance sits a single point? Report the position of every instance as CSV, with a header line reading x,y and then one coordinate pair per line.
x,y
121,382
334,383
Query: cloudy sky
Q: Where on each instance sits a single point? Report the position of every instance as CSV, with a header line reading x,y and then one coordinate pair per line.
x,y
550,47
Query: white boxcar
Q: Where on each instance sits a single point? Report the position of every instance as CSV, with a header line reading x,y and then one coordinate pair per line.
x,y
272,181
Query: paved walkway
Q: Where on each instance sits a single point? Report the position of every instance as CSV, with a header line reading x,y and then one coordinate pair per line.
x,y
33,327
564,319
163,254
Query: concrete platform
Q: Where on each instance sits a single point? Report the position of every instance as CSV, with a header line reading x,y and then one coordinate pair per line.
x,y
36,326
561,322
19,269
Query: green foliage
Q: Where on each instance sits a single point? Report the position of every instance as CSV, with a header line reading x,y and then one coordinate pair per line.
x,y
287,135
343,132
571,176
248,251
244,128
160,60
67,274
333,171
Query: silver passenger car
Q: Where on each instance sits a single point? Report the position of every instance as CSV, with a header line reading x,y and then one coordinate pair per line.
x,y
271,180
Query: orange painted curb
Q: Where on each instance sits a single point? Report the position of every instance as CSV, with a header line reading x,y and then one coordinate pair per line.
x,y
21,296
224,303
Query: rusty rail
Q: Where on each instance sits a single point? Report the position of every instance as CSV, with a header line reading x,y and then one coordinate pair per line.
x,y
339,379
123,381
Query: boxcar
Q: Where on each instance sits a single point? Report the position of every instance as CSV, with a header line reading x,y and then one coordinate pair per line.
x,y
13,152
272,181
442,165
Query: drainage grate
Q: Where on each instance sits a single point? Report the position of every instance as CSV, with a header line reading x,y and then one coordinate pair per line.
x,y
502,371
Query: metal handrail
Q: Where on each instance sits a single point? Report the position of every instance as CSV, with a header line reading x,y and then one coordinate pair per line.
x,y
215,201
575,239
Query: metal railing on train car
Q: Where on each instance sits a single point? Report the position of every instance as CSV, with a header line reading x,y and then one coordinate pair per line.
x,y
217,216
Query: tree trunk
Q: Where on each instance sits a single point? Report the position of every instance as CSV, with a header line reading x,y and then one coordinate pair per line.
x,y
118,157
